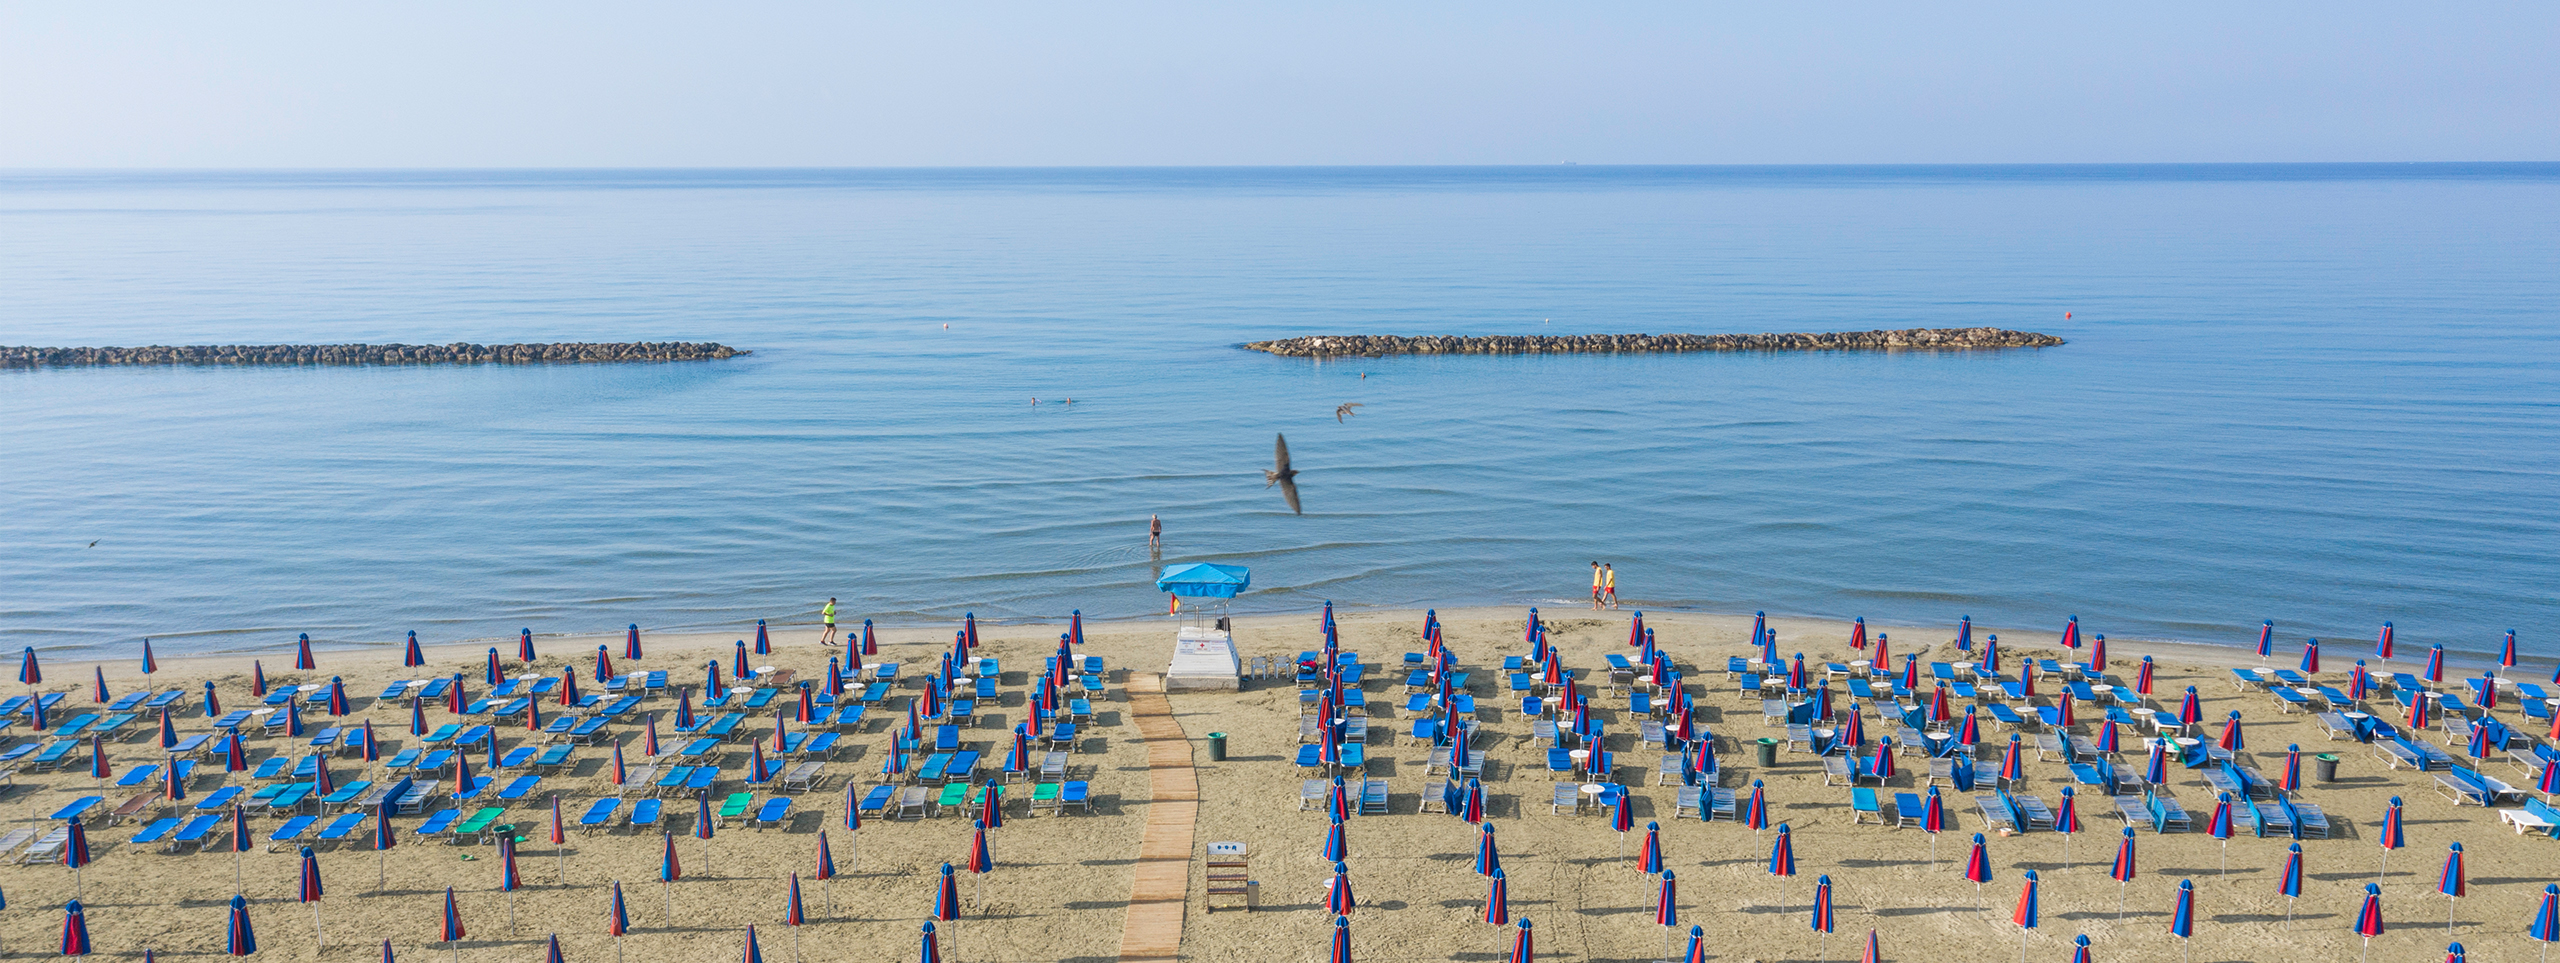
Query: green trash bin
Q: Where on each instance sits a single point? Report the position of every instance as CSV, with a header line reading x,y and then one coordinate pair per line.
x,y
1217,747
2325,767
1768,751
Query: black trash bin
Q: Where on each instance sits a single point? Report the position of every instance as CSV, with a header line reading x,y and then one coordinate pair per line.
x,y
1217,747
1768,751
2325,767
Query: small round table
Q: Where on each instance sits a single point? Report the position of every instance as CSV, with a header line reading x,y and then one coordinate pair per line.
x,y
741,690
764,670
2356,715
2105,693
1861,667
1592,790
2148,717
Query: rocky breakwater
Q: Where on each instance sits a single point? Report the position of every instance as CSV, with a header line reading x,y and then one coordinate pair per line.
x,y
365,354
1373,345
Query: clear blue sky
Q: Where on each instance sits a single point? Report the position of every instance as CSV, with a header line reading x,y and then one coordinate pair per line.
x,y
990,83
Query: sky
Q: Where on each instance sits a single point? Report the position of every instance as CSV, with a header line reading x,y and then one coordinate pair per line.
x,y
793,84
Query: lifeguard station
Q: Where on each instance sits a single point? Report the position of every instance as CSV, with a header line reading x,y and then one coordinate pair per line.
x,y
1204,650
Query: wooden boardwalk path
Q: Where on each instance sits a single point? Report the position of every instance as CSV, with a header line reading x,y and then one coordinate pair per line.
x,y
1157,899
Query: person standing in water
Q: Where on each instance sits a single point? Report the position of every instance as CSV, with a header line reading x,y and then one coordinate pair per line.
x,y
1155,534
828,616
1609,583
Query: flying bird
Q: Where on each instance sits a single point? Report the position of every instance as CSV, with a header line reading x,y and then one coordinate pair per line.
x,y
93,544
1281,474
1343,410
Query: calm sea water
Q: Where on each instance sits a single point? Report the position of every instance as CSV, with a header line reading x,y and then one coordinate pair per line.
x,y
2325,395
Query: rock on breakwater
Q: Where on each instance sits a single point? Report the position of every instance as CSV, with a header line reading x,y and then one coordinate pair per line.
x,y
364,354
1905,339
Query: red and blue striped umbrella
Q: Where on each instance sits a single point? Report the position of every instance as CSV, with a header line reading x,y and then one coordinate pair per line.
x,y
2142,677
449,929
1473,812
946,895
414,656
2545,928
1635,631
1797,678
2182,917
794,912
616,771
552,955
1874,953
853,808
2069,707
835,676
617,913
738,665
212,702
308,890
1823,920
100,767
2066,820
932,950
2435,663
1933,814
2030,911
239,938
1853,729
2231,733
2452,881
1938,711
2292,768
568,685
2108,741
151,665
489,672
670,868
756,771
2311,656
2098,652
372,746
455,698
702,826
2080,948
1697,952
993,812
240,840
808,711
1884,653
2156,769
1755,814
2266,639
1858,634
75,929
2220,825
764,643
1523,949
1622,816
322,783
2191,711
1666,902
2369,915
1649,857
98,690
711,678
2123,870
1910,673
1883,762
172,787
2071,634
1969,731
649,733
509,880
1488,855
631,642
1782,853
293,718
982,860
28,672
752,953
2382,647
826,860
1336,849
302,655
461,773
1337,897
1341,940
2290,884
1977,865
258,678
870,644
2013,760
2420,714
1497,902
2548,783
2507,654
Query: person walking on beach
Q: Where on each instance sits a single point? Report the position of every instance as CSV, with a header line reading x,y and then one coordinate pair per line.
x,y
1595,586
828,616
1609,583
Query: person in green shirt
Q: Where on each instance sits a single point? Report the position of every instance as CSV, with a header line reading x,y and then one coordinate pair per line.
x,y
828,616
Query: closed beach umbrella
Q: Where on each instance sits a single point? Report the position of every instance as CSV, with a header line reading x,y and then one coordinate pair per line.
x,y
756,771
2070,713
1938,704
455,698
75,852
2382,646
1473,811
172,787
2182,916
293,718
1337,895
2435,663
383,840
2155,770
738,667
258,678
1969,731
2080,948
807,713
2142,677
2190,711
2545,928
1911,673
1341,940
461,773
711,678
824,870
322,783
669,870
338,696
649,735
212,702
2030,911
28,672
1336,849
1977,866
1883,763
2507,653
2231,735
1796,675
2369,916
2122,872
1782,858
1853,728
552,954
1497,901
619,774
99,766
2266,639
302,654
2108,741
524,645
764,644
508,879
1933,819
1822,921
2391,837
1698,954
489,671
794,913
835,676
2290,884
308,891
98,689
631,642
1883,661
1649,856
2293,768
568,685
2452,882
2098,652
239,938
1488,855
870,645
2013,760
752,953
75,929
448,929
2311,656
2418,714
1523,949
2071,634
1991,655
684,710
413,656
1755,814
2066,820
2488,690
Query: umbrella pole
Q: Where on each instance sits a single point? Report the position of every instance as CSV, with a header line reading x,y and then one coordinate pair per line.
x,y
511,911
381,869
617,949
795,944
2448,916
2066,853
669,890
316,935
2120,900
562,851
2226,859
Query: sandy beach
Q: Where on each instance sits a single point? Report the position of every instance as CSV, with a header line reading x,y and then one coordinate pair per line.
x,y
1063,882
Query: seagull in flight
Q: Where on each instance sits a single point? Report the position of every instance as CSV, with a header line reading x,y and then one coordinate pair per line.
x,y
1343,410
1281,474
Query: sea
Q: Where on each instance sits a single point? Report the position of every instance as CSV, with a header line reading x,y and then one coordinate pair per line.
x,y
2325,395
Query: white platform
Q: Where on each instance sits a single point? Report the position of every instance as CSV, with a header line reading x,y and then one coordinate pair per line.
x,y
1204,659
